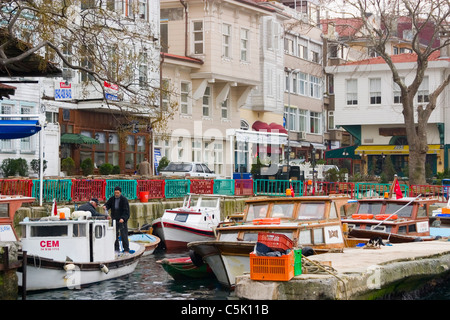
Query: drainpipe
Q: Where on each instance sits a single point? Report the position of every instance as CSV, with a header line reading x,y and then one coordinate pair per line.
x,y
183,3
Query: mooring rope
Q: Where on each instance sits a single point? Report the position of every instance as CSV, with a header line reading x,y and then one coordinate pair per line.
x,y
316,267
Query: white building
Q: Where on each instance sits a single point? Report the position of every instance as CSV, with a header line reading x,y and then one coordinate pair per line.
x,y
368,106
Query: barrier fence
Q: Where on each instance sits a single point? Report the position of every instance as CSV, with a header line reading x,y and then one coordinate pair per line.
x,y
78,190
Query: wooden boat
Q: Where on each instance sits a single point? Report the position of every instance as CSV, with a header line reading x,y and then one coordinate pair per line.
x,y
396,220
194,221
184,269
312,223
70,253
149,241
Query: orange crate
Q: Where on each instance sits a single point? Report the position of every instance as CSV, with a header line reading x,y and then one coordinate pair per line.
x,y
272,268
275,241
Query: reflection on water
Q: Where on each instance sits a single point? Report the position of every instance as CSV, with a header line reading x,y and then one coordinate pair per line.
x,y
148,281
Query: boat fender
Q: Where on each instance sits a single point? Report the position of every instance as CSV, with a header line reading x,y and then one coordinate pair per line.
x,y
104,269
307,251
69,267
195,258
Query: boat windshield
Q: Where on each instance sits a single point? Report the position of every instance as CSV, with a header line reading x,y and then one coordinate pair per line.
x,y
256,211
207,203
405,212
370,207
282,210
311,211
4,210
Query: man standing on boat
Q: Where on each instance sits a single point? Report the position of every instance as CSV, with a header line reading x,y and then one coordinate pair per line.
x,y
120,212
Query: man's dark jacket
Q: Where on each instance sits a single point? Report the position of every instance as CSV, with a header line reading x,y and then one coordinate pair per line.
x,y
89,207
124,208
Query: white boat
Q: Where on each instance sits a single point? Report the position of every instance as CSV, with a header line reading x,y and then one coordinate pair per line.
x,y
70,253
149,241
194,221
312,223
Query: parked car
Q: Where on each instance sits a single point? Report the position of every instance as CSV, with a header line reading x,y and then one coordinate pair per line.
x,y
188,169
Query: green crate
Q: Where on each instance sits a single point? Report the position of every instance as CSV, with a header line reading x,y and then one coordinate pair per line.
x,y
297,262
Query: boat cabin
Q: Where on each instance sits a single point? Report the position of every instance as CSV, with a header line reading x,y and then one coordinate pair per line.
x,y
308,221
8,207
80,240
405,217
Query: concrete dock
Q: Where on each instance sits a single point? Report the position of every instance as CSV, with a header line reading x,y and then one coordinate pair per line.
x,y
356,273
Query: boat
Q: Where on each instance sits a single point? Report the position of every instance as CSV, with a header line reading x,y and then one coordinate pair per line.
x,y
72,252
397,220
195,220
183,268
149,241
311,222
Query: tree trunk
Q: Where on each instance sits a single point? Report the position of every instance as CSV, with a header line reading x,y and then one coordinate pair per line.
x,y
417,167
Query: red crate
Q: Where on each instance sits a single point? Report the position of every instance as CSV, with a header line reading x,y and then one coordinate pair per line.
x,y
275,241
272,268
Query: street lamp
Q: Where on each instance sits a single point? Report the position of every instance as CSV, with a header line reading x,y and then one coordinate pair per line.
x,y
289,116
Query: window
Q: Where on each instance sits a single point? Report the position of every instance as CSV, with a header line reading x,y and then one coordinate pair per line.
x,y
207,102
86,52
375,91
218,157
224,108
198,37
87,4
315,121
352,91
302,83
143,70
331,125
302,48
397,92
226,40
302,119
185,105
309,211
244,44
289,46
197,150
423,92
164,37
315,87
257,211
143,9
282,210
165,95
290,114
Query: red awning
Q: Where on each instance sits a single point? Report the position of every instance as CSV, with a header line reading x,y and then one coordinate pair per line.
x,y
273,127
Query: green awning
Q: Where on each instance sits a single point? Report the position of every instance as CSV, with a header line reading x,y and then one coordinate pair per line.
x,y
77,138
342,153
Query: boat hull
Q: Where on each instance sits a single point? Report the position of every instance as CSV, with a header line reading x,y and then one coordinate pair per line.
x,y
184,269
391,237
177,236
227,259
47,274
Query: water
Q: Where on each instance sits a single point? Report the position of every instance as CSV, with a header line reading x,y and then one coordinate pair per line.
x,y
149,281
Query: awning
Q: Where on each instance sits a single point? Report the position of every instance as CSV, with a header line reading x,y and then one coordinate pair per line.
x,y
393,149
17,129
342,153
77,138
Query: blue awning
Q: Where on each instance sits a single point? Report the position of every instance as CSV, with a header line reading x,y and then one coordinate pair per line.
x,y
17,129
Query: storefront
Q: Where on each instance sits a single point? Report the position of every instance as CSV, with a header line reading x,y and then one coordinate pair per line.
x,y
267,146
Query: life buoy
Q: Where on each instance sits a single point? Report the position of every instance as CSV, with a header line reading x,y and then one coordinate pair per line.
x,y
267,221
362,216
386,217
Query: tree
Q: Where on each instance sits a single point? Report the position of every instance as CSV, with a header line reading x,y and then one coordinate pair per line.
x,y
108,42
425,17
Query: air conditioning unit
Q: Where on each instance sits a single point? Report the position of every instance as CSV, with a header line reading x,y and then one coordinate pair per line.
x,y
302,135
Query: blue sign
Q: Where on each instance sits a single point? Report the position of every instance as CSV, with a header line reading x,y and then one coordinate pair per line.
x,y
63,94
156,158
112,97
